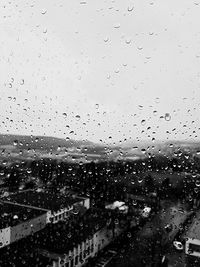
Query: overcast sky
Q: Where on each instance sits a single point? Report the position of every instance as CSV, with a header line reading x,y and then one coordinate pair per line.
x,y
100,70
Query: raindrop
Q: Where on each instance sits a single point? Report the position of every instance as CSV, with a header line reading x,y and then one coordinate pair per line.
x,y
78,117
22,81
65,114
96,106
128,41
143,122
197,183
117,26
143,150
15,142
130,8
140,180
44,11
167,117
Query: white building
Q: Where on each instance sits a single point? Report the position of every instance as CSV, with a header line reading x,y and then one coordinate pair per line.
x,y
192,237
57,206
17,222
76,250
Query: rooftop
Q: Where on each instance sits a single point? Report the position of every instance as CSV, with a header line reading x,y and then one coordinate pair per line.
x,y
12,214
194,229
60,238
47,200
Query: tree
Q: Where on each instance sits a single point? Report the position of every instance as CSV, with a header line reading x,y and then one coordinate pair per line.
x,y
149,184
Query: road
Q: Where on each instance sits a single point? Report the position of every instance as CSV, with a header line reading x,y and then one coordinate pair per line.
x,y
145,245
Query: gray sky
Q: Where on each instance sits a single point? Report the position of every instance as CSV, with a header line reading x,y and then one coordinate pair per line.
x,y
100,69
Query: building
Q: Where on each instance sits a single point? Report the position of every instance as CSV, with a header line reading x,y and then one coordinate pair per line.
x,y
74,245
57,206
192,242
117,205
17,222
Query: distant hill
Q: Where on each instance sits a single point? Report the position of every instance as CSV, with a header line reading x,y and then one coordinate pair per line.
x,y
46,143
23,147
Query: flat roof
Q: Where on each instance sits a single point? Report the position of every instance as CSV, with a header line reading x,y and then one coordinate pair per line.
x,y
62,237
194,229
47,200
12,214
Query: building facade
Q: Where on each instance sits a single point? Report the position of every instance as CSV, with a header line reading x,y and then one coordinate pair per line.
x,y
58,207
18,222
79,255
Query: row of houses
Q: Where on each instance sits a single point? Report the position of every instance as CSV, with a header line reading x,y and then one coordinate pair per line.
x,y
28,212
79,243
60,230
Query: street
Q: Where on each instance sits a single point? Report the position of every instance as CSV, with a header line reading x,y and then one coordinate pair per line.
x,y
147,244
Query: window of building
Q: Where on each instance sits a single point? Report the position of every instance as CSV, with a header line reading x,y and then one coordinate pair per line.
x,y
194,248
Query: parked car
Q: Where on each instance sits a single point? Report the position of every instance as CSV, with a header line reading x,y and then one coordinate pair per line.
x,y
178,245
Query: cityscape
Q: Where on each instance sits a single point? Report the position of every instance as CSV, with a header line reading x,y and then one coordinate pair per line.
x,y
57,212
99,133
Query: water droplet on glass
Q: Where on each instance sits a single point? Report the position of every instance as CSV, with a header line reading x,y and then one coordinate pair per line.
x,y
44,11
130,8
143,122
15,142
96,106
117,26
143,150
65,114
167,117
197,183
78,117
22,81
140,180
128,41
